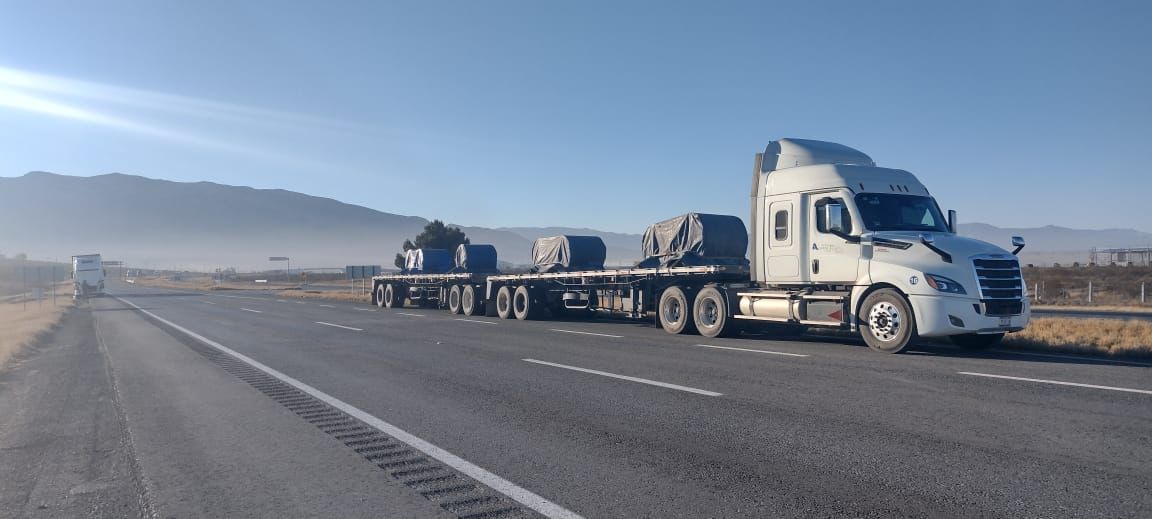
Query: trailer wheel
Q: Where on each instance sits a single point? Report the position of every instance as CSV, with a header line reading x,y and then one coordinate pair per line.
x,y
675,311
469,303
392,296
504,302
711,313
380,295
889,325
454,299
522,304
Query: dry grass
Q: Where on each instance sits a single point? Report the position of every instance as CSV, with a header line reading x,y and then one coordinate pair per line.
x,y
22,324
281,291
1108,337
1096,308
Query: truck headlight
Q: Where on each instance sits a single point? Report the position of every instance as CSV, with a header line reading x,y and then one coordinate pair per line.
x,y
944,284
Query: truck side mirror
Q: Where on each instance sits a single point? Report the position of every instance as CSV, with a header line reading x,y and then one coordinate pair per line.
x,y
952,221
833,218
1018,242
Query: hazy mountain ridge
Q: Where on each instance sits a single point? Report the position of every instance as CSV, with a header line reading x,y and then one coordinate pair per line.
x,y
168,224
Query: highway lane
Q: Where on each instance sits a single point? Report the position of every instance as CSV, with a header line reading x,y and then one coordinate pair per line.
x,y
796,427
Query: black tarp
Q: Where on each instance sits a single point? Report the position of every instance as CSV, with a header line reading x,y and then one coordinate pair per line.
x,y
696,239
475,258
427,261
568,253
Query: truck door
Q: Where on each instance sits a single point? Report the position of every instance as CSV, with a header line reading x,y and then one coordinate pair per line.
x,y
783,245
833,257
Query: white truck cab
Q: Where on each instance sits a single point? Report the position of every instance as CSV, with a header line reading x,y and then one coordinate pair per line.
x,y
87,275
837,240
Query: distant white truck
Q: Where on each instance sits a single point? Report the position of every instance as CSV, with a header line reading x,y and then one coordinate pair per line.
x,y
87,275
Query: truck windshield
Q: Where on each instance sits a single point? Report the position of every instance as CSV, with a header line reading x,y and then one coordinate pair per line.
x,y
889,212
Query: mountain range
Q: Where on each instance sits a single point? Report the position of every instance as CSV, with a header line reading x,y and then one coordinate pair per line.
x,y
202,225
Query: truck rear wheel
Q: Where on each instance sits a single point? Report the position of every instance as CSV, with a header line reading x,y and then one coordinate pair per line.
x,y
380,296
710,312
393,298
889,325
504,302
522,304
675,312
454,299
975,341
469,303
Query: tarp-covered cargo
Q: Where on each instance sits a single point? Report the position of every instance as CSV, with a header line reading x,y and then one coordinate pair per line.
x,y
696,239
427,261
568,253
475,258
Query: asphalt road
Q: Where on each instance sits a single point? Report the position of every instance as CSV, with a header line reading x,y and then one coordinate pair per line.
x,y
611,419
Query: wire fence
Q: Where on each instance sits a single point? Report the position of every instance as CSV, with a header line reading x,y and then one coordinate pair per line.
x,y
1090,286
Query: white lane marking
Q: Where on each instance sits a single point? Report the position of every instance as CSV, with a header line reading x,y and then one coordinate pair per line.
x,y
411,315
626,377
364,309
475,321
1058,382
340,326
497,483
1073,357
326,306
208,302
282,301
751,350
301,303
588,333
251,310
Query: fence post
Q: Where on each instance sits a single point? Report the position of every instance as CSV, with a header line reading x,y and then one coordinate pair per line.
x,y
1142,292
1036,292
1089,292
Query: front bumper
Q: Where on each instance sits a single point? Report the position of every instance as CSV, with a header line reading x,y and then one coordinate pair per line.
x,y
938,316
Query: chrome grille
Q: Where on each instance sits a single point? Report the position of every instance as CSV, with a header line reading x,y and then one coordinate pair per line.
x,y
1001,285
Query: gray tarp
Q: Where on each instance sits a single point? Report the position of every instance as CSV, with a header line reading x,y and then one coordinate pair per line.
x,y
696,239
427,261
568,253
475,258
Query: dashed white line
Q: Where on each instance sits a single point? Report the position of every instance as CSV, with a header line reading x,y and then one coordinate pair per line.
x,y
475,321
208,302
283,301
326,306
1058,382
251,310
753,351
497,483
588,333
628,378
410,315
364,309
340,326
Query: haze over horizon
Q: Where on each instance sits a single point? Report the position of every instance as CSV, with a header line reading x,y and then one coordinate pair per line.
x,y
593,115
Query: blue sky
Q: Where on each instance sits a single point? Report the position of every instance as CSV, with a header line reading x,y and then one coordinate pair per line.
x,y
608,115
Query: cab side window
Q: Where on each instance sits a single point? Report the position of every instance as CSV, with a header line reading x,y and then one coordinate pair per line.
x,y
780,225
832,216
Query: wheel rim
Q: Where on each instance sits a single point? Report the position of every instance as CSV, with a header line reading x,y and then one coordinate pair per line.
x,y
673,311
521,304
708,313
466,300
885,321
502,301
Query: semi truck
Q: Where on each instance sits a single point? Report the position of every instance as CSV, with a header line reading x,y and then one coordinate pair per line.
x,y
835,241
87,276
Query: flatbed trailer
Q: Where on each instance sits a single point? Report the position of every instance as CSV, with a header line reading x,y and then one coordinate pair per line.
x,y
460,292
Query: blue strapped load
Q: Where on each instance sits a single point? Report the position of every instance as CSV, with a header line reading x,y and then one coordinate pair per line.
x,y
475,258
568,253
427,261
696,239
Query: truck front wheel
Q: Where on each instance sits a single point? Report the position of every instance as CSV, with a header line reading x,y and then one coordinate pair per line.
x,y
504,302
710,312
975,341
675,311
889,325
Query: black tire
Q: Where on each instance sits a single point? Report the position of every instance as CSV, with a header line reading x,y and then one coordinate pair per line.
x,y
524,306
888,325
454,299
392,296
470,302
380,295
675,311
504,302
711,314
976,341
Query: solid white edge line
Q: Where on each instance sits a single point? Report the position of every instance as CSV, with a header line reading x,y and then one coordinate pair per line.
x,y
410,315
497,483
587,333
626,377
753,351
339,326
251,310
474,321
1058,382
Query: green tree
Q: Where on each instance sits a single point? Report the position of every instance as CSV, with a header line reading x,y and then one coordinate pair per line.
x,y
435,235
